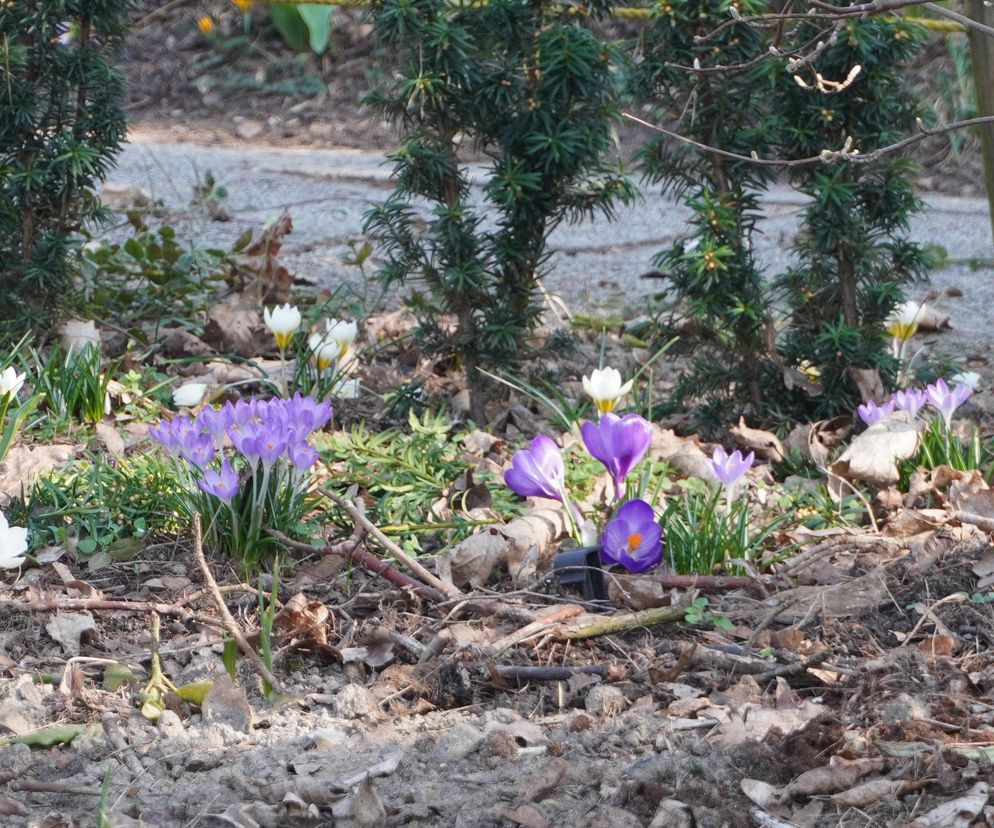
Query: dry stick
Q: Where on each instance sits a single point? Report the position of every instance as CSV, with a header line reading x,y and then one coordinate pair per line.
x,y
979,521
119,743
227,621
703,581
73,604
546,620
564,673
585,628
368,561
797,667
448,590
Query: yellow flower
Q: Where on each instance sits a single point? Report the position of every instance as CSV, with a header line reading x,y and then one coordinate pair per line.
x,y
205,24
244,6
811,371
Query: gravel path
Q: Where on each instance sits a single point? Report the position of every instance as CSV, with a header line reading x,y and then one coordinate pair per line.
x,y
594,264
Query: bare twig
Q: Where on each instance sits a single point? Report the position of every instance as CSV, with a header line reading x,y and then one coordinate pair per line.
x,y
590,626
547,620
75,604
514,672
981,522
826,156
228,622
448,590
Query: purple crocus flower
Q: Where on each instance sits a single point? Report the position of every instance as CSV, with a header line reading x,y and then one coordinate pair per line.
x,y
198,450
633,538
945,401
303,455
308,413
222,485
618,442
870,413
215,421
165,435
246,439
538,470
909,401
271,443
729,468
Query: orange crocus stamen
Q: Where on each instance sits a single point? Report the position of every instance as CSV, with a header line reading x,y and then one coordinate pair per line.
x,y
633,541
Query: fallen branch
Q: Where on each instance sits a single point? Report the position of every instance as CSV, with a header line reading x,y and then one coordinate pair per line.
x,y
715,582
378,566
591,626
523,674
76,604
981,522
547,620
228,622
449,590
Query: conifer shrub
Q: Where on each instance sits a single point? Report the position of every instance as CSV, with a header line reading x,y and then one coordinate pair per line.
x,y
530,88
61,123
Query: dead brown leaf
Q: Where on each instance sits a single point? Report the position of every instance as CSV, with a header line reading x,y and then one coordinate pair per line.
x,y
24,463
765,444
868,381
873,455
232,323
110,437
67,627
260,263
528,816
302,619
682,453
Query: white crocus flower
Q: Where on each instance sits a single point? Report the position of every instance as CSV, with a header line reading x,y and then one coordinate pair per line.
x,y
342,333
903,320
605,387
13,544
10,382
283,321
968,378
325,350
189,394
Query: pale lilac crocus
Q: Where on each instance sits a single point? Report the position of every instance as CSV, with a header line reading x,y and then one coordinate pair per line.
x,y
729,469
538,471
946,401
910,401
302,455
215,421
619,443
199,450
870,413
633,538
222,485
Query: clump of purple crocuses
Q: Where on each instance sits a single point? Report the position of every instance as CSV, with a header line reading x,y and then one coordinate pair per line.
x,y
632,538
245,466
938,395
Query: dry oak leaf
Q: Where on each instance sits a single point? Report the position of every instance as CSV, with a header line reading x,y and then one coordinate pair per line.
x,y
956,813
260,261
67,627
23,464
873,455
765,444
682,453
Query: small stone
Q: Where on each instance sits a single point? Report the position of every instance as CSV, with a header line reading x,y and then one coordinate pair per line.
x,y
605,700
354,701
170,724
248,129
457,744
